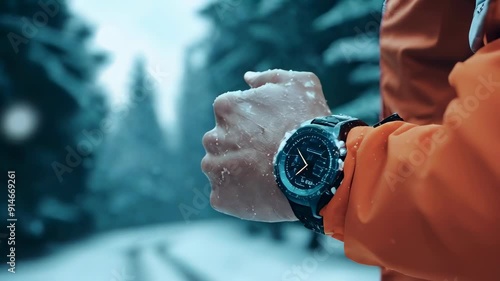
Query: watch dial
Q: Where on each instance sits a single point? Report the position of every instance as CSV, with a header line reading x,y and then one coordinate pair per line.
x,y
308,161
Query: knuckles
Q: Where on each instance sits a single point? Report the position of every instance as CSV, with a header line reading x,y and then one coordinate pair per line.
x,y
275,76
218,140
223,106
215,202
207,165
209,140
310,77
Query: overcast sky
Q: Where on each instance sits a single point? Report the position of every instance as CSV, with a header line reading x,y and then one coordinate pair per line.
x,y
158,29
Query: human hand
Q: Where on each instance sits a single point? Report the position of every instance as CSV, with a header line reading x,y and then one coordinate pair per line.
x,y
250,125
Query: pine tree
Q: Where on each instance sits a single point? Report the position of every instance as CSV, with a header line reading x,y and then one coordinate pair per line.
x,y
132,184
48,100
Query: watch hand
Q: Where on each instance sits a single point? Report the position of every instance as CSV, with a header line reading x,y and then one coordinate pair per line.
x,y
302,157
302,169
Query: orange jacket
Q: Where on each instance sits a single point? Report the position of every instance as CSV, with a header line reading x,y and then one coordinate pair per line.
x,y
422,198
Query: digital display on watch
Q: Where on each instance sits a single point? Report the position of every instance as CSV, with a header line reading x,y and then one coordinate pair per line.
x,y
308,160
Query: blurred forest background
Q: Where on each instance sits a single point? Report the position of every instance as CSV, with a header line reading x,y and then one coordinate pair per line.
x,y
85,168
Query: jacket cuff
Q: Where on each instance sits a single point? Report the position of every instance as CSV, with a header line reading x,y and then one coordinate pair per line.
x,y
334,212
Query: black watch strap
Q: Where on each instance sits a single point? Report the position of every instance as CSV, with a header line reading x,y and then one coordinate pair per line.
x,y
305,213
331,120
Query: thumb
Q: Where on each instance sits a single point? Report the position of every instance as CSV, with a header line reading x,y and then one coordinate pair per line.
x,y
257,79
251,79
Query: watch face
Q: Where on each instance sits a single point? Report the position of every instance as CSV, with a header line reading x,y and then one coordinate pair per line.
x,y
308,162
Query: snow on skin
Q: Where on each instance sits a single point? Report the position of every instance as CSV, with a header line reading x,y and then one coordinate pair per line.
x,y
248,109
311,95
224,171
309,84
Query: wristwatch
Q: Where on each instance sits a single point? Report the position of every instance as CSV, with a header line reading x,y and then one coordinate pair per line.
x,y
308,166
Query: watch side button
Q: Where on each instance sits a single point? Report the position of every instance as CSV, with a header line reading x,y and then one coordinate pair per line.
x,y
340,164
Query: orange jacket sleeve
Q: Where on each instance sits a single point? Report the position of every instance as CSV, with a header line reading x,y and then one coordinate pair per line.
x,y
420,42
425,200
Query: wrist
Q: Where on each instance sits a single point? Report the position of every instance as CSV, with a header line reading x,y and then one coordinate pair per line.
x,y
309,165
334,212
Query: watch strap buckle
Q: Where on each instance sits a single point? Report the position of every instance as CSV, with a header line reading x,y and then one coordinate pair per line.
x,y
391,118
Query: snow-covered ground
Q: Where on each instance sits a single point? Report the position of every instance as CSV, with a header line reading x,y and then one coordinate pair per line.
x,y
205,251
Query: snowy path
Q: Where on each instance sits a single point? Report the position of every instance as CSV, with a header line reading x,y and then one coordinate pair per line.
x,y
204,251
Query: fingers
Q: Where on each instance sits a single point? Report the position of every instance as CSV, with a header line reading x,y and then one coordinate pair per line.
x,y
217,141
224,173
223,107
210,141
277,76
218,167
227,111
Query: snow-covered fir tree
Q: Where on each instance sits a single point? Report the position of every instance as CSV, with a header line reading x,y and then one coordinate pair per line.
x,y
132,184
48,98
